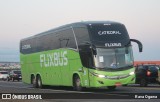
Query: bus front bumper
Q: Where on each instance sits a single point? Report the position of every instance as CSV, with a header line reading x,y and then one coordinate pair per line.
x,y
114,81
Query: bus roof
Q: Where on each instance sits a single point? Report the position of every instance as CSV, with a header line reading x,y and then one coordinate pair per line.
x,y
76,24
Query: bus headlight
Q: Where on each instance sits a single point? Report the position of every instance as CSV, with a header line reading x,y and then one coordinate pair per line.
x,y
101,76
131,73
98,75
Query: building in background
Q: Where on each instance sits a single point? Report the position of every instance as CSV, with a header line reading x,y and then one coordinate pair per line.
x,y
9,65
146,62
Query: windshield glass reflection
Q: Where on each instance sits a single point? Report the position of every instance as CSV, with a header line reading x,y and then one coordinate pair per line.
x,y
113,58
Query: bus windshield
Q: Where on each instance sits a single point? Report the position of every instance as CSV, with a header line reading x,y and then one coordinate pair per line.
x,y
115,58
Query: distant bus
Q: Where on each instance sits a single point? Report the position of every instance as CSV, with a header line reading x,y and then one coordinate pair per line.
x,y
82,55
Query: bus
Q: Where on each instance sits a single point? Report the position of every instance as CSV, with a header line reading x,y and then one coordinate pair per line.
x,y
88,54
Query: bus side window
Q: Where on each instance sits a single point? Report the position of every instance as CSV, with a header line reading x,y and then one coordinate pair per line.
x,y
28,46
47,42
67,39
82,35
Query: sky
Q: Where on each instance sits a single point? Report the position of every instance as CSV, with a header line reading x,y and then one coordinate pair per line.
x,y
23,18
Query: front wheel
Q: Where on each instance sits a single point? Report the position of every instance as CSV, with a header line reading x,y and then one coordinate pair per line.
x,y
77,83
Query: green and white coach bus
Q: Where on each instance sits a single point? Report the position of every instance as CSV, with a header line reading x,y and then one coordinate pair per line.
x,y
82,55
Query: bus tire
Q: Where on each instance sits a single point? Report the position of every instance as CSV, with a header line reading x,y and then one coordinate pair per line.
x,y
111,87
39,82
33,81
77,83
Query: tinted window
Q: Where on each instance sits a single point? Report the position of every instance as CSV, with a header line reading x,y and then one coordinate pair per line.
x,y
140,67
67,39
153,68
52,40
17,72
3,72
111,33
81,35
48,42
28,45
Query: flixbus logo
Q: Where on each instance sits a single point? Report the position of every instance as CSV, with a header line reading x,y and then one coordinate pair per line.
x,y
113,44
53,59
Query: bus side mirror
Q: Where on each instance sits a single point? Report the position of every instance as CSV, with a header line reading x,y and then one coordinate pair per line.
x,y
139,44
126,50
93,47
86,55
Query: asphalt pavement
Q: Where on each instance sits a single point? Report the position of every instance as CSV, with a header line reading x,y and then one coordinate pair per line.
x,y
130,93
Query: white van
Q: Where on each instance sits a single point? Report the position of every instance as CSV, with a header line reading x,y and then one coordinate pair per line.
x,y
3,75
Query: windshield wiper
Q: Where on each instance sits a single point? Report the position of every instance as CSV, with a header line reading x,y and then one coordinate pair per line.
x,y
125,67
116,68
104,68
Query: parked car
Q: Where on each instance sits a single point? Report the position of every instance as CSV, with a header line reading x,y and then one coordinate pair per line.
x,y
14,75
3,75
146,74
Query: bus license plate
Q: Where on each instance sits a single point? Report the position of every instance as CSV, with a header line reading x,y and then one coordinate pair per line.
x,y
118,84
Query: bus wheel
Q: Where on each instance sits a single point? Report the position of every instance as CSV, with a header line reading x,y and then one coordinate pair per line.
x,y
34,82
39,82
77,83
111,87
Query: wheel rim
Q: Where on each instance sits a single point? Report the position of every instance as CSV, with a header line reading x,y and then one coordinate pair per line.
x,y
34,82
78,84
39,82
